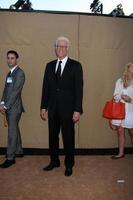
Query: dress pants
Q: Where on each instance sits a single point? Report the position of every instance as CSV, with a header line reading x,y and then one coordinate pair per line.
x,y
57,123
14,145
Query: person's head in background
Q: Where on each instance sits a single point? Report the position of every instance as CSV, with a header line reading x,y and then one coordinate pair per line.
x,y
12,58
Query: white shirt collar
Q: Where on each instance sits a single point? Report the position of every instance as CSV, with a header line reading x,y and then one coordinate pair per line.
x,y
63,60
13,68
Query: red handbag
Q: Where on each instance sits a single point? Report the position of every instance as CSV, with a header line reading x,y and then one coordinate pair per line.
x,y
114,110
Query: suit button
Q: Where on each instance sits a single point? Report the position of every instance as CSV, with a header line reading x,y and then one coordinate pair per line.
x,y
57,89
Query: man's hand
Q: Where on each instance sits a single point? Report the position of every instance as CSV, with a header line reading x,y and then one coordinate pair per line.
x,y
2,109
76,116
44,114
126,98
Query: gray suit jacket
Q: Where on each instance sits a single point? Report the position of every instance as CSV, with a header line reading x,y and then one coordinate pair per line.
x,y
12,91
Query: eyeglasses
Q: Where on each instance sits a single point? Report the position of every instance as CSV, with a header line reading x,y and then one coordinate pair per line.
x,y
61,47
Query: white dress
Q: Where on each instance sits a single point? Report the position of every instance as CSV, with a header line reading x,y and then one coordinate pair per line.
x,y
119,90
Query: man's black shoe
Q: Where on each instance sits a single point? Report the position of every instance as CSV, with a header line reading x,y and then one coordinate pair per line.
x,y
68,171
51,166
20,155
7,163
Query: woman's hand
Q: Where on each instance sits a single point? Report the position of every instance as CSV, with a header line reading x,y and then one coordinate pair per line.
x,y
126,98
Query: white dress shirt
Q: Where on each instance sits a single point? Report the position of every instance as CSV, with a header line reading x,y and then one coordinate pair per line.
x,y
12,69
64,60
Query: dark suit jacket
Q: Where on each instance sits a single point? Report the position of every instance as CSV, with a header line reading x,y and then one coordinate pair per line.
x,y
67,93
12,92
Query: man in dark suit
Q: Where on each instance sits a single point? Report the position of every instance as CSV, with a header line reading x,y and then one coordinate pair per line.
x,y
62,94
11,105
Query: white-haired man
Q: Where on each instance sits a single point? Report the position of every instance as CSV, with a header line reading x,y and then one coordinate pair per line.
x,y
62,94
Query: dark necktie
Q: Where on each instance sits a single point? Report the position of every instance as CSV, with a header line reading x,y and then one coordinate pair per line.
x,y
9,74
58,72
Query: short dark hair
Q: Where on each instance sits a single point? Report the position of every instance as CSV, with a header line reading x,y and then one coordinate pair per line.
x,y
13,52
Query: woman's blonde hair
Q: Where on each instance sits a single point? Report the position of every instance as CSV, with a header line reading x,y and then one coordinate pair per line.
x,y
125,77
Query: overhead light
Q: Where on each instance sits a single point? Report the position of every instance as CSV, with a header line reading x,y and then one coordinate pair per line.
x,y
22,5
96,7
118,11
17,5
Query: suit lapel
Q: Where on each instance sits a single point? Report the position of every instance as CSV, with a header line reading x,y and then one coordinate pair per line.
x,y
66,68
15,71
9,74
53,67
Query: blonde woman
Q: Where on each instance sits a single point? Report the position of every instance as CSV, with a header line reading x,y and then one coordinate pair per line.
x,y
124,92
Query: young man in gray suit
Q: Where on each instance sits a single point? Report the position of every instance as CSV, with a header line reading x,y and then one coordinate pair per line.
x,y
11,105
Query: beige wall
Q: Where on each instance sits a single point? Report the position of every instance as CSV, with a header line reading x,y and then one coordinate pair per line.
x,y
103,45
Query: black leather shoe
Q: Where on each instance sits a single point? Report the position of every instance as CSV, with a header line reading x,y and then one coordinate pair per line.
x,y
7,163
51,166
68,171
20,155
